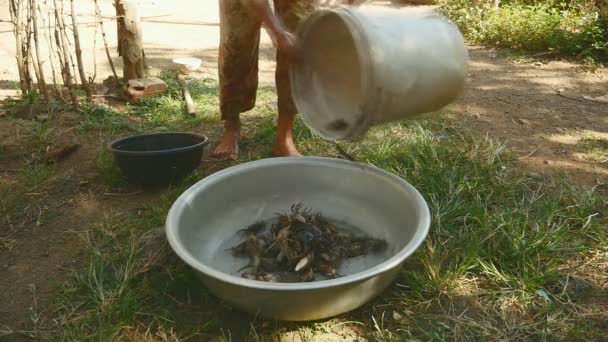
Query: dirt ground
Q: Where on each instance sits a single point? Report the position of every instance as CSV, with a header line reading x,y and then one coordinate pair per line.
x,y
536,107
37,255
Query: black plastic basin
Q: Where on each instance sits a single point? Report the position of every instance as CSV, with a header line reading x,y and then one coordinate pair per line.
x,y
159,158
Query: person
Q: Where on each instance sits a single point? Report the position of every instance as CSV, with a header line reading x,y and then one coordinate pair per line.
x,y
240,25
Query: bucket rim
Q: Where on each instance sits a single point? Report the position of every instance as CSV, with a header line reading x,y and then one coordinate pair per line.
x,y
361,44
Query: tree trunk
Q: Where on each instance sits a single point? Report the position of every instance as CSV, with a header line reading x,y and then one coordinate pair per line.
x,y
83,78
130,45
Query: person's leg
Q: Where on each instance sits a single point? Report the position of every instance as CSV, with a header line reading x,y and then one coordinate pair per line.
x,y
238,71
291,12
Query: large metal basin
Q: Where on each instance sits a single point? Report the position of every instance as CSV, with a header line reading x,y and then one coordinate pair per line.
x,y
203,221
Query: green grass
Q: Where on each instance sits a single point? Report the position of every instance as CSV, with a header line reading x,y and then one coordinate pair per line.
x,y
32,101
107,169
103,118
24,205
498,239
132,278
34,175
12,207
40,137
575,29
161,113
168,111
502,249
596,148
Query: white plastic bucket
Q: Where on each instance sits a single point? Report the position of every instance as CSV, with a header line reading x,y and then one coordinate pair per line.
x,y
367,66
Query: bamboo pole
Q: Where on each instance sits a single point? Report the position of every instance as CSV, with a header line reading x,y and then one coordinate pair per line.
x,y
105,40
31,58
94,77
35,67
40,74
83,78
27,60
68,46
61,37
58,89
15,10
60,55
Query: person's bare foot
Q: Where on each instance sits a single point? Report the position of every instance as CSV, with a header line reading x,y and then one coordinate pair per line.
x,y
284,146
229,146
285,149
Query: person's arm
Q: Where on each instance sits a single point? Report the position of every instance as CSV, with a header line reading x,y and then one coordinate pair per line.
x,y
281,38
269,20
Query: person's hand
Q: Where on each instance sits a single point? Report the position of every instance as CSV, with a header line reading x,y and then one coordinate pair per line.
x,y
286,43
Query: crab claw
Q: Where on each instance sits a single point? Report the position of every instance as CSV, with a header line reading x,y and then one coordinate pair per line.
x,y
304,262
299,218
301,264
280,256
308,275
295,208
269,277
248,275
295,213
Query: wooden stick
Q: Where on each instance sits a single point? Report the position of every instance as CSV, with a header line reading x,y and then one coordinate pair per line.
x,y
122,98
105,40
83,77
68,50
73,64
16,17
187,97
528,155
92,78
57,38
40,75
182,22
559,93
126,194
60,56
31,60
66,65
27,60
142,18
58,89
60,153
35,66
155,21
